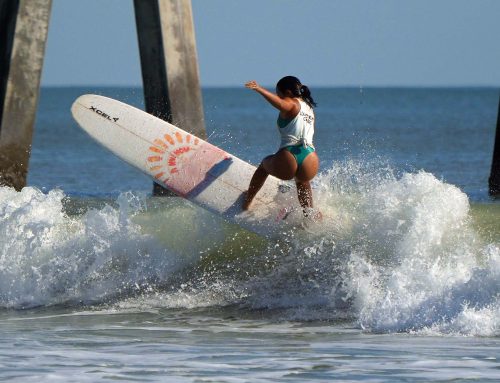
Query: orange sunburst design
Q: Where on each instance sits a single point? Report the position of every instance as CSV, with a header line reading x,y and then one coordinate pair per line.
x,y
155,158
159,175
160,143
169,138
156,150
169,153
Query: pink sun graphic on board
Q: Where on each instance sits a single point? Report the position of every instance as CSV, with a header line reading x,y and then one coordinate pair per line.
x,y
181,161
168,152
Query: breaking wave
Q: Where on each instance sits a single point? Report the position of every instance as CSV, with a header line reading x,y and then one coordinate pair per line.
x,y
395,253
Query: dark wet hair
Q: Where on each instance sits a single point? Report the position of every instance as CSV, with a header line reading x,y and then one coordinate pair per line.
x,y
294,85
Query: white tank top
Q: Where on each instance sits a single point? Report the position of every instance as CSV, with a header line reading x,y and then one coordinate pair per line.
x,y
300,130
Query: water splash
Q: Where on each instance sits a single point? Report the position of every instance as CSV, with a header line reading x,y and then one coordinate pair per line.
x,y
404,256
395,253
48,257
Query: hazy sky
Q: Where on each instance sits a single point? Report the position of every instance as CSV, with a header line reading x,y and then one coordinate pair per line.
x,y
323,42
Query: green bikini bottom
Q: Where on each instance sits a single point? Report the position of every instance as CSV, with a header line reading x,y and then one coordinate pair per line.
x,y
299,152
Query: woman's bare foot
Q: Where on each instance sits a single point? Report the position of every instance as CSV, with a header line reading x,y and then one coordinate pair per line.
x,y
246,201
312,214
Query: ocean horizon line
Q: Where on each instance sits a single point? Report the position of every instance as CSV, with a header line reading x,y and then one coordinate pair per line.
x,y
232,87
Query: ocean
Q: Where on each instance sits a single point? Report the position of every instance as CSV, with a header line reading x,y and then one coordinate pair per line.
x,y
101,281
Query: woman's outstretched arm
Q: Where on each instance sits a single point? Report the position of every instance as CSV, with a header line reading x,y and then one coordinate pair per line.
x,y
287,106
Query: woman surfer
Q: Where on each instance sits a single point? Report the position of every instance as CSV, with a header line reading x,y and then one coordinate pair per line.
x,y
296,157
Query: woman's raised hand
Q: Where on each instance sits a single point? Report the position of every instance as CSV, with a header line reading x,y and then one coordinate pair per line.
x,y
252,85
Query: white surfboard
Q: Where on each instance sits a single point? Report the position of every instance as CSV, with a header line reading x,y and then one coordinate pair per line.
x,y
187,165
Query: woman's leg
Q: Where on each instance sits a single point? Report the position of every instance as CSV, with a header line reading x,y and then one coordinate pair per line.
x,y
305,174
256,183
304,193
281,165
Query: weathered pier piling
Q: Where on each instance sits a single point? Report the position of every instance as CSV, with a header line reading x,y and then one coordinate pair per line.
x,y
494,181
23,34
169,63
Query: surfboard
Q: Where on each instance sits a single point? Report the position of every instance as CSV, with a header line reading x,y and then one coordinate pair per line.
x,y
190,167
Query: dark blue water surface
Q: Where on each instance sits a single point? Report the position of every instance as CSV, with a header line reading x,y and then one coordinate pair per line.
x,y
447,132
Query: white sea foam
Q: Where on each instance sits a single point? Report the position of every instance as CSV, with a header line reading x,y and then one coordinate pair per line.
x,y
394,254
434,266
405,259
48,257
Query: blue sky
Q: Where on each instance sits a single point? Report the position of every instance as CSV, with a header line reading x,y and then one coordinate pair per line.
x,y
324,42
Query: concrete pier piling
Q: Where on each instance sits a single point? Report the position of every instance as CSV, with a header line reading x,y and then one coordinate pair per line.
x,y
23,35
169,64
494,181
